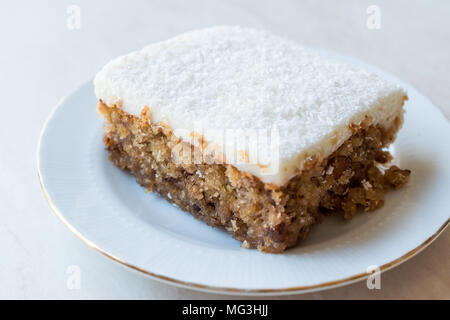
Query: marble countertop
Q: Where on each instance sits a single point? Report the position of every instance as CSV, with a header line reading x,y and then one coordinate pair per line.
x,y
49,48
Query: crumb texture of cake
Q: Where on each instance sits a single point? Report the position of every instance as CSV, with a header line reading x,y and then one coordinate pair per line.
x,y
261,216
232,77
330,123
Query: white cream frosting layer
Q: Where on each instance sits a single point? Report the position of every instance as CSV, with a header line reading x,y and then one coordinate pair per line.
x,y
248,82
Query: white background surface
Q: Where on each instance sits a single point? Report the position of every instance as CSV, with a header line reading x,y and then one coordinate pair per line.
x,y
41,60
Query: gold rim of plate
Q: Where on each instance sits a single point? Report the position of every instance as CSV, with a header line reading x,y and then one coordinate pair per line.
x,y
230,290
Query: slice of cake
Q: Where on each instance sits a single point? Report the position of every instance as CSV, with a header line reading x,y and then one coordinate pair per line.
x,y
251,132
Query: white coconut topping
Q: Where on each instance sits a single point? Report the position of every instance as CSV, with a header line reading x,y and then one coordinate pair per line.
x,y
248,80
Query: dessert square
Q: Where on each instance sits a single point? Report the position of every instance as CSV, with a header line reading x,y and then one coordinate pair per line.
x,y
251,132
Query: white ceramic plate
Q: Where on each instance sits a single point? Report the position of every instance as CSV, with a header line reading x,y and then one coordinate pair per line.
x,y
109,211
